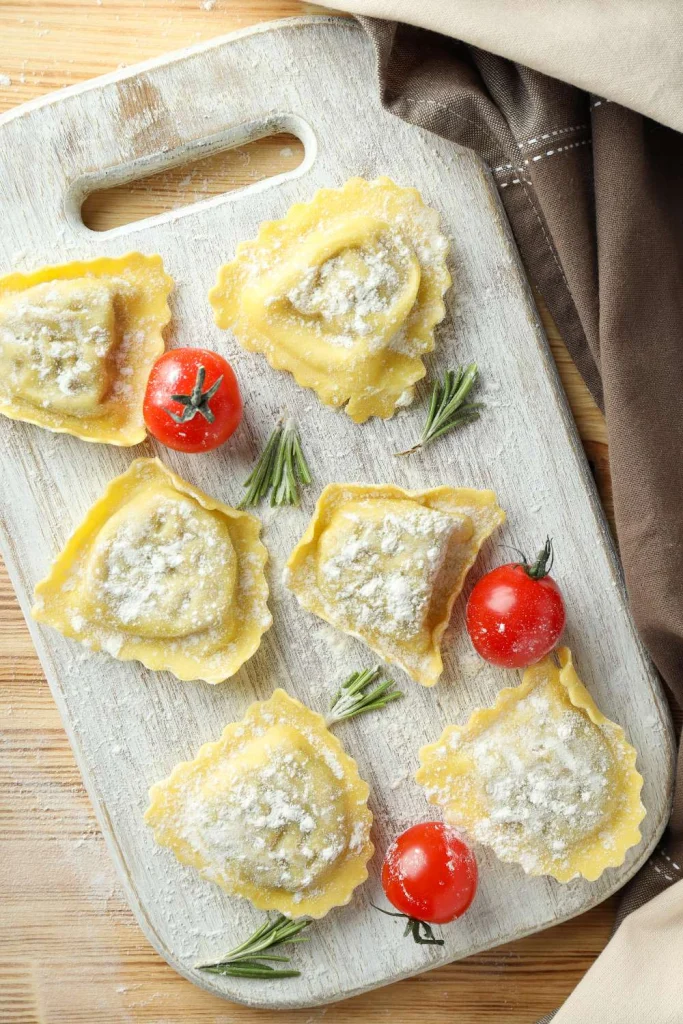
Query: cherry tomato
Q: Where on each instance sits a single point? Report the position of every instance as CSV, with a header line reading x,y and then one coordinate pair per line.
x,y
192,402
515,614
429,874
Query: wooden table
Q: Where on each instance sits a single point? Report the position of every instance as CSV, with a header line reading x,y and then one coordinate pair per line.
x,y
70,949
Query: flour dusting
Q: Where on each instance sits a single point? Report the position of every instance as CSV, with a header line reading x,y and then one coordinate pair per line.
x,y
353,285
382,574
541,776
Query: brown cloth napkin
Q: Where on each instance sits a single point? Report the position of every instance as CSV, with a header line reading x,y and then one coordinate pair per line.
x,y
594,194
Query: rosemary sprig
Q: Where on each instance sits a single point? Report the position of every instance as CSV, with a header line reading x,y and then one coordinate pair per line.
x,y
353,699
448,408
280,469
247,959
421,931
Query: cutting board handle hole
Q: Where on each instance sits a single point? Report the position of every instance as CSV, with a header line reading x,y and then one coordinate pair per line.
x,y
184,182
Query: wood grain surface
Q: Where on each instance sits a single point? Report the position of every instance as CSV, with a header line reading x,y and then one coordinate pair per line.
x,y
70,949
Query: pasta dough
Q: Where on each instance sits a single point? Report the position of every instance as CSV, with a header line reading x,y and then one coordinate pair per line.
x,y
386,565
542,777
344,293
274,811
77,343
160,572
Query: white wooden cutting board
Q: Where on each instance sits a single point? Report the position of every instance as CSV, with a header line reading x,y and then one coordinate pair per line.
x,y
129,726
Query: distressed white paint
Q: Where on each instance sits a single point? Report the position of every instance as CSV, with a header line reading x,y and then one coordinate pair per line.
x,y
129,726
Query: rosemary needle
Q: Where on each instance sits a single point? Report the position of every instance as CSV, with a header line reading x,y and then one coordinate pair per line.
x,y
448,407
352,699
279,471
248,960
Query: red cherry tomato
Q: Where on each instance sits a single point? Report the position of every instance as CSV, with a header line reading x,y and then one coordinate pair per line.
x,y
192,402
515,614
429,874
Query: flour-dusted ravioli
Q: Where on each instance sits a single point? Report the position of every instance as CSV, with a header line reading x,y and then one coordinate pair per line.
x,y
542,777
386,565
274,811
77,343
344,293
160,572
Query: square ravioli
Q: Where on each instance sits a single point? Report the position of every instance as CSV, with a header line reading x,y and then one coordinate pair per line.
x,y
542,777
161,573
77,343
386,565
274,811
344,293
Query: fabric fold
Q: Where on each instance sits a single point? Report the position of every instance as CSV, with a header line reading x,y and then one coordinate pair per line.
x,y
594,194
626,51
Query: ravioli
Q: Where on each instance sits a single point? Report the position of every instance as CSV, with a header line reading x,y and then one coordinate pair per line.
x,y
344,293
161,573
386,565
77,343
542,777
274,811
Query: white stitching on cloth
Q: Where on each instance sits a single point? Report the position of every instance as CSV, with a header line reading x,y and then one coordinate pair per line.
x,y
599,103
516,181
548,241
667,857
558,149
445,107
535,159
549,135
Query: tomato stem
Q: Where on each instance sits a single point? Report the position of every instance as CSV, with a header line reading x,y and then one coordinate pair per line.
x,y
543,564
421,931
197,401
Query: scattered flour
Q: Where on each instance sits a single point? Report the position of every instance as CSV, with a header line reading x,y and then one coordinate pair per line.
x,y
162,565
380,578
55,340
543,778
353,285
273,814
